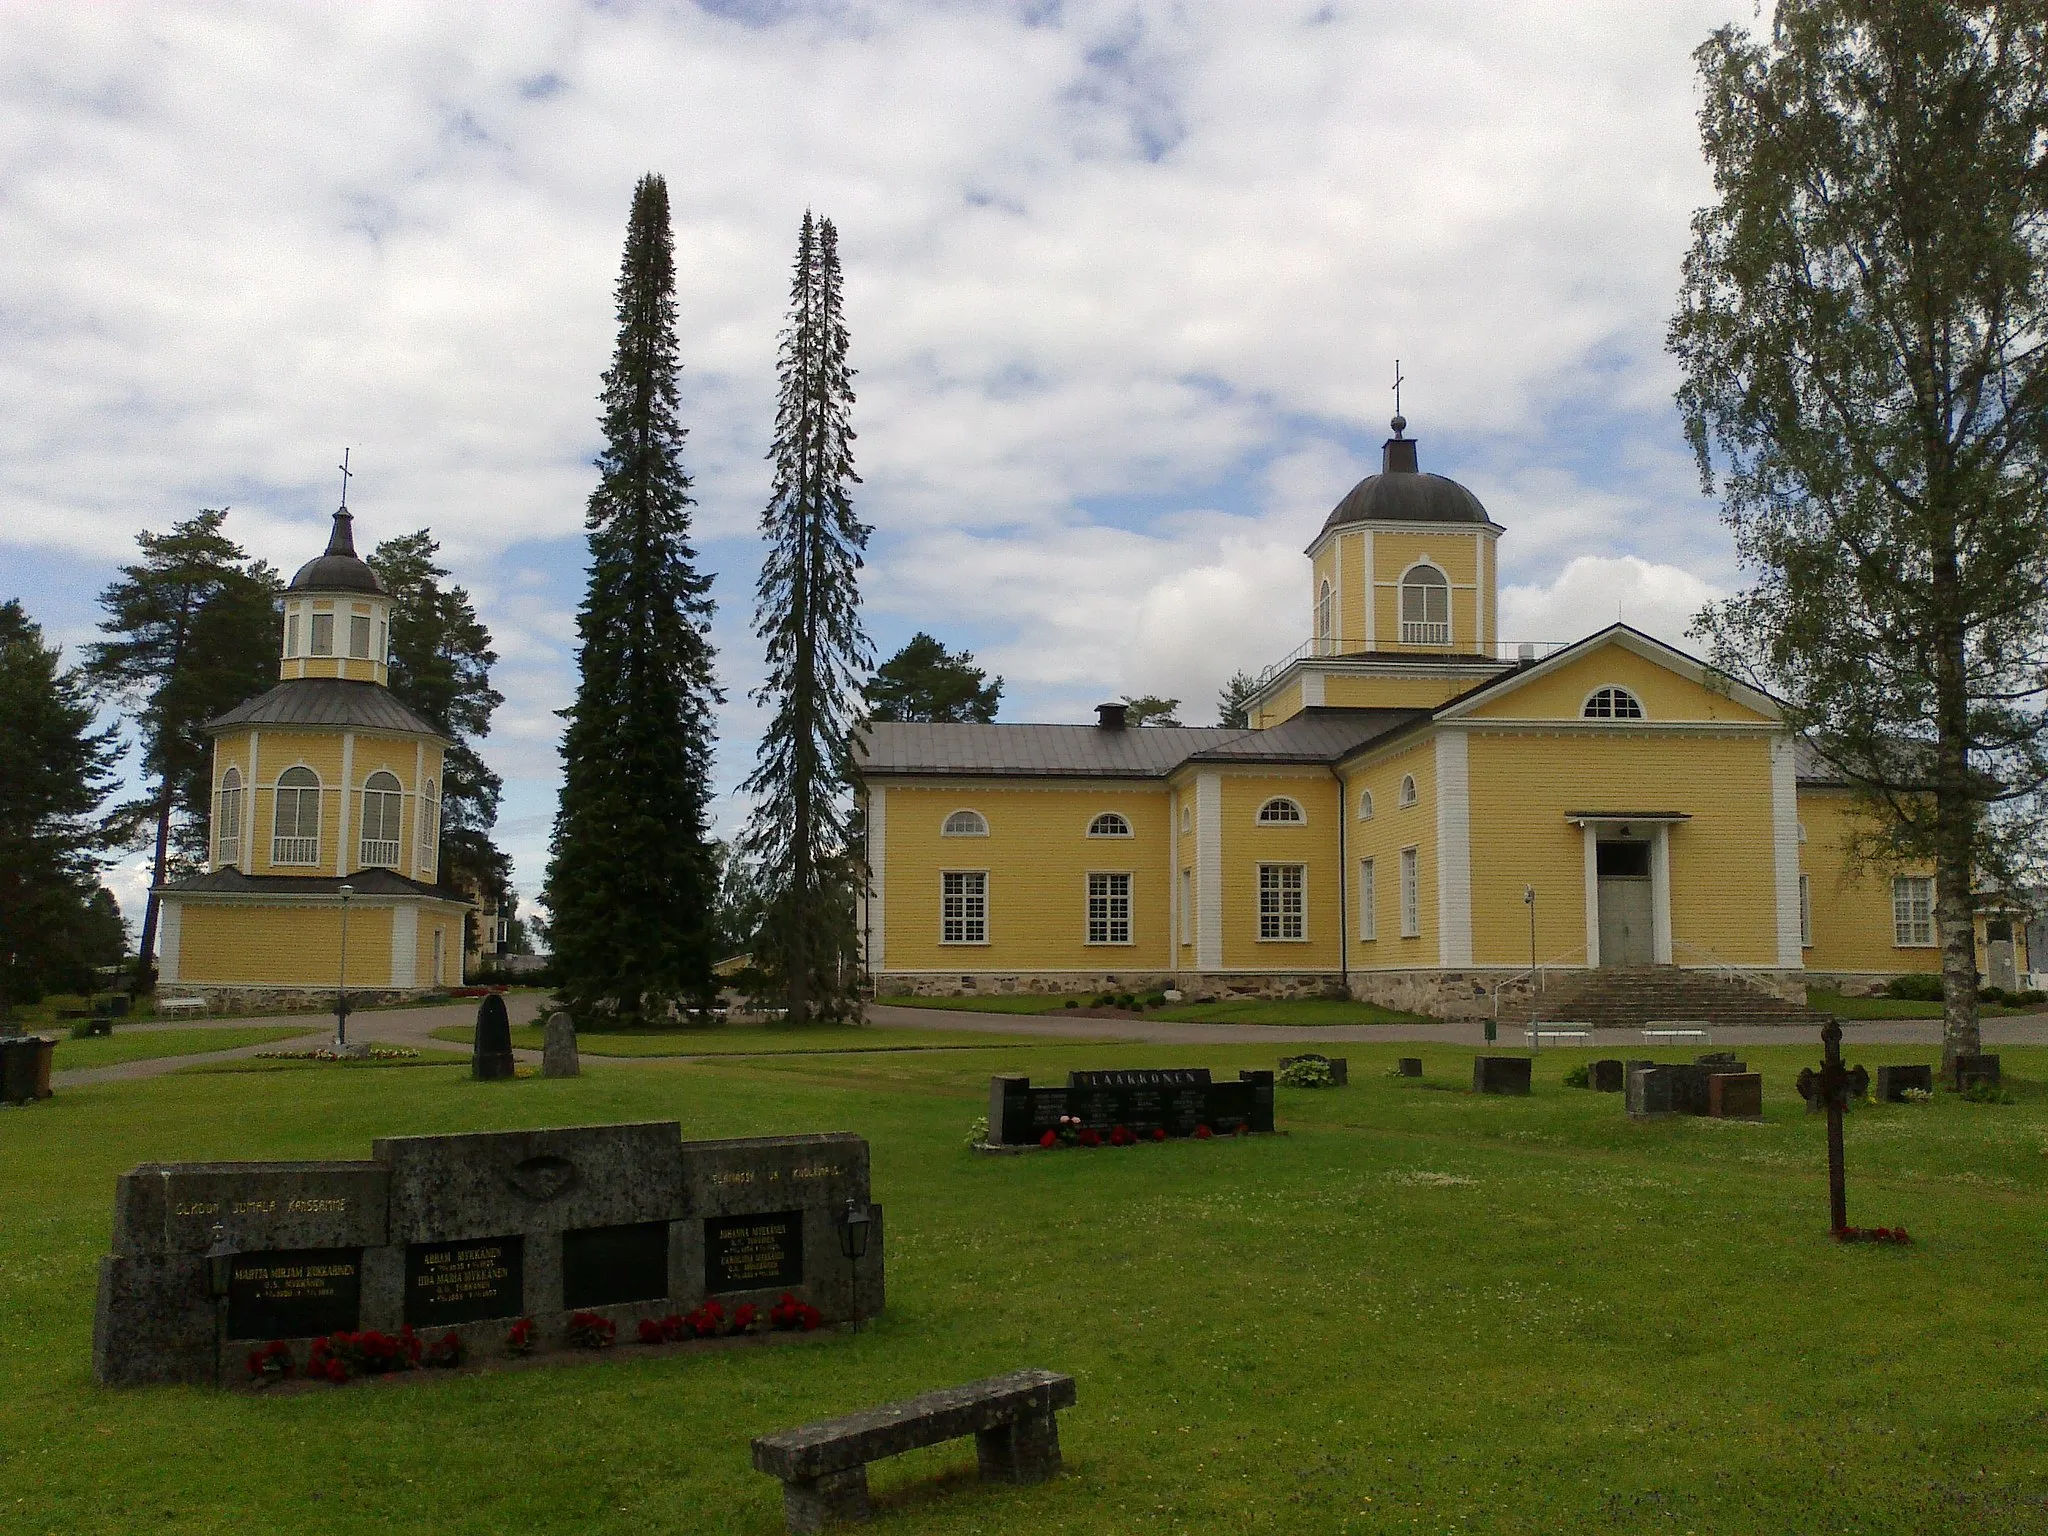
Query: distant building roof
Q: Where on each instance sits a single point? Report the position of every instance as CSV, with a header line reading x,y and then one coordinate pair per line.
x,y
364,882
327,701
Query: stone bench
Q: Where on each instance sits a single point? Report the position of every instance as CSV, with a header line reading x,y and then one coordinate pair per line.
x,y
823,1466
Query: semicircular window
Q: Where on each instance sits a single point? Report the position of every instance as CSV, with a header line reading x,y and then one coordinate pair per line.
x,y
966,824
1613,704
1280,811
1109,824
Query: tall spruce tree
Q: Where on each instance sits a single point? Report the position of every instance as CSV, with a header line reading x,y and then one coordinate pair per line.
x,y
925,681
194,629
631,880
808,611
54,771
1866,384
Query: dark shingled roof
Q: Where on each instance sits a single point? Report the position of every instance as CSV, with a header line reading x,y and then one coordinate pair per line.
x,y
1140,752
338,570
365,882
1399,498
327,701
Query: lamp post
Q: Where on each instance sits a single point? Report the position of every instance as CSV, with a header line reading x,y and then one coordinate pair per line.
x,y
341,988
1535,982
853,1242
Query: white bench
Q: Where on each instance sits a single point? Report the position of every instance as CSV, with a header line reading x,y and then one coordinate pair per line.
x,y
1680,1029
1544,1032
181,1005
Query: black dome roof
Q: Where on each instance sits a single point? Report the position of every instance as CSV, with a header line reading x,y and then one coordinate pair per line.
x,y
1401,493
338,570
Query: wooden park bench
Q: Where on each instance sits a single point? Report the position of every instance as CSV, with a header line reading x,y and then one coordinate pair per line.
x,y
181,1005
1679,1029
823,1466
1543,1032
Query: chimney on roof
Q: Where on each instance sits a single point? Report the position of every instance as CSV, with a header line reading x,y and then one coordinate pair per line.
x,y
1110,717
1397,453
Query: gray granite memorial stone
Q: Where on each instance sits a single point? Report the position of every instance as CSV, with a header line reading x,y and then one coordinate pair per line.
x,y
490,1054
1892,1082
1409,1066
1975,1069
1650,1091
1605,1076
558,1048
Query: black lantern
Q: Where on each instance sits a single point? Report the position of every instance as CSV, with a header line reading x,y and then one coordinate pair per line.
x,y
219,1263
853,1237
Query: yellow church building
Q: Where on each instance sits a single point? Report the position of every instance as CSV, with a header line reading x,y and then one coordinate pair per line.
x,y
325,813
1416,806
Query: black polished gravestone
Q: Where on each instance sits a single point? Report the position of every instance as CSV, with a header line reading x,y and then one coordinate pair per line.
x,y
1607,1076
465,1282
295,1293
1176,1100
490,1054
611,1266
753,1253
1894,1082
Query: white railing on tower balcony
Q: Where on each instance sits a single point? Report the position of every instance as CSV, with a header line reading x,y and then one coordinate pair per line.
x,y
1352,648
295,850
1425,632
380,853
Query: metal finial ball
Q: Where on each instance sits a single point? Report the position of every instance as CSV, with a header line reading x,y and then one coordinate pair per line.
x,y
1400,425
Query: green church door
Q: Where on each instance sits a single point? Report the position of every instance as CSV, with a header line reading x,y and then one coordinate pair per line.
x,y
1626,922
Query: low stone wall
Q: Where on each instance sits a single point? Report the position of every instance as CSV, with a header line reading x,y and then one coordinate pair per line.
x,y
1440,994
1193,986
1852,983
231,1001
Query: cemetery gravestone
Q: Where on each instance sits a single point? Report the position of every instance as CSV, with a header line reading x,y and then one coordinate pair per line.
x,y
558,1050
1650,1091
470,1233
1976,1069
490,1056
1176,1100
25,1068
1736,1096
1409,1066
1605,1076
1501,1074
1340,1066
1892,1082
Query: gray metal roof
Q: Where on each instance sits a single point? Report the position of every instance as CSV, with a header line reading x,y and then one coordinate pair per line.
x,y
1316,735
327,701
338,569
1407,498
364,882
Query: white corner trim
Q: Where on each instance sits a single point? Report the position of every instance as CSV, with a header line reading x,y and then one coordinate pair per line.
x,y
348,773
249,809
1371,637
1453,850
411,830
1311,689
169,922
1660,893
878,864
1785,849
1592,894
1209,871
405,945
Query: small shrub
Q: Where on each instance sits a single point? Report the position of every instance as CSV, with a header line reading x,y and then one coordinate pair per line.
x,y
1915,1096
1982,1091
977,1134
1920,987
1580,1076
1305,1072
1073,1002
1155,1000
1992,995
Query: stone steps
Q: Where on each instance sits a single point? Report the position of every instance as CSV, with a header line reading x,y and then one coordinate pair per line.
x,y
1628,998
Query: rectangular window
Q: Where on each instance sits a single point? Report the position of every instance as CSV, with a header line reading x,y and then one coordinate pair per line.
x,y
1282,911
359,636
1109,909
383,651
1411,896
963,907
1187,906
323,634
1912,910
1805,915
1368,901
291,635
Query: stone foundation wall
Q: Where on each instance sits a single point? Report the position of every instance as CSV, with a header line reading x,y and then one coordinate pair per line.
x,y
1195,987
233,1001
1852,983
1440,994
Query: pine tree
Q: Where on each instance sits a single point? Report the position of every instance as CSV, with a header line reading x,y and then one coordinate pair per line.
x,y
196,634
631,883
1233,703
925,681
54,771
808,611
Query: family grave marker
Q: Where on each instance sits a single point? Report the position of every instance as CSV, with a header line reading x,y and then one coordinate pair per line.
x,y
1176,1100
490,1053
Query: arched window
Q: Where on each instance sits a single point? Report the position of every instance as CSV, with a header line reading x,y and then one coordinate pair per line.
x,y
295,833
383,820
1109,824
1425,607
429,831
1280,811
227,819
1323,620
965,824
1407,789
1365,805
1613,704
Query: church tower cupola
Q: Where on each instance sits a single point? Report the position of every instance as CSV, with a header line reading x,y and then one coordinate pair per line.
x,y
337,614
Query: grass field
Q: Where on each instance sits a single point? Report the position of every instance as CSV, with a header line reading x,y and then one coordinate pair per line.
x,y
1419,1311
760,1039
1822,1001
146,1045
1293,1011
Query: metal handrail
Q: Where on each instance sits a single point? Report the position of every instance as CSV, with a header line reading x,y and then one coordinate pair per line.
x,y
1534,972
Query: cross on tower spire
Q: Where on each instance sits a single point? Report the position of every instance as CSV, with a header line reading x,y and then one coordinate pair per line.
x,y
346,476
1400,422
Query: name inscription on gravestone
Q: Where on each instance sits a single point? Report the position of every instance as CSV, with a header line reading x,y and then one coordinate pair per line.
x,y
295,1294
465,1282
753,1253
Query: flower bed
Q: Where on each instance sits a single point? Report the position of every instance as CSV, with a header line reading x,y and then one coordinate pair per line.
x,y
1893,1235
342,1357
1070,1132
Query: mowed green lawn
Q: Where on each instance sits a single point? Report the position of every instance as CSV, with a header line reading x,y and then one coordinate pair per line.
x,y
147,1044
1420,1310
1299,1012
757,1039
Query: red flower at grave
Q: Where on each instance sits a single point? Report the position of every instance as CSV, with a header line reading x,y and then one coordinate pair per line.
x,y
791,1314
1049,1140
589,1330
519,1340
1090,1139
1203,1133
273,1359
446,1352
650,1331
746,1318
707,1321
1159,1133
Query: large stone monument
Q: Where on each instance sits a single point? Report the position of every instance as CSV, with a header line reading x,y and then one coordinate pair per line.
x,y
471,1234
558,1048
490,1052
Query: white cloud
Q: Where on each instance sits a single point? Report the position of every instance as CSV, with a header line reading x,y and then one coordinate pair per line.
x,y
1593,591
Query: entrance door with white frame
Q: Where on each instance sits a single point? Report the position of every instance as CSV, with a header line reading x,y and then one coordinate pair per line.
x,y
1627,903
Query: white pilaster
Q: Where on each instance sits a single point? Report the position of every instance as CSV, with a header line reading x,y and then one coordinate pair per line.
x,y
1660,893
1453,850
411,831
405,945
1592,894
1311,689
1785,849
878,866
169,923
1209,871
249,810
348,777
1479,592
1371,594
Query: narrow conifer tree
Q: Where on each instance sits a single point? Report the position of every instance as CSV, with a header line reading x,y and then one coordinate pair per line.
x,y
808,611
631,880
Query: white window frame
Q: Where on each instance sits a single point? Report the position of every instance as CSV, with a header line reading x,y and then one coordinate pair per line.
x,y
1912,911
1409,795
1323,618
1109,896
1122,829
295,849
1805,913
313,647
1365,805
358,628
1425,630
1368,901
966,914
1411,893
291,635
1187,818
227,819
947,829
1298,819
1273,881
1611,695
1187,906
427,844
382,852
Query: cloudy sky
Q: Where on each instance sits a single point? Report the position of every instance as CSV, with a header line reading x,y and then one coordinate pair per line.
x,y
1126,284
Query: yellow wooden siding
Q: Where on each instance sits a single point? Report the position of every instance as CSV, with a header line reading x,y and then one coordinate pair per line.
x,y
1038,856
1723,896
1406,691
280,749
1562,695
285,946
1280,706
1850,906
1391,828
1453,553
1247,844
1351,610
